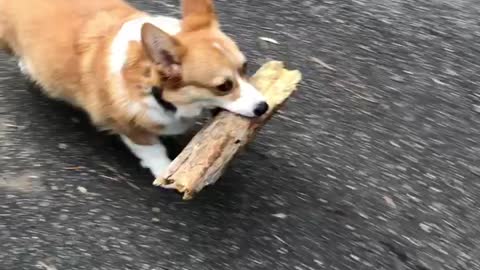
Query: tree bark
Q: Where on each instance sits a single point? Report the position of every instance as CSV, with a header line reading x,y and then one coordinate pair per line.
x,y
208,154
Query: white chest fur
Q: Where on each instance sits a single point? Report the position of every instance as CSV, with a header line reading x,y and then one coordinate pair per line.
x,y
174,122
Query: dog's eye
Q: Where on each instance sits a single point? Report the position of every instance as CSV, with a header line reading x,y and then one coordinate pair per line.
x,y
227,86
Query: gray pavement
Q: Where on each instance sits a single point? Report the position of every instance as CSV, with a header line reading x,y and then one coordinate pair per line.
x,y
374,164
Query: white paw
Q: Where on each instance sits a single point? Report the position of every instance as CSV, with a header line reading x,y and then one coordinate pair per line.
x,y
153,157
157,166
170,186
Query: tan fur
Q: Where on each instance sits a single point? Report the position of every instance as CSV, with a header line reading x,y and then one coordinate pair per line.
x,y
65,46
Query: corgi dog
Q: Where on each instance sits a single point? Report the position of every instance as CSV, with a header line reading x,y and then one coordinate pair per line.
x,y
136,75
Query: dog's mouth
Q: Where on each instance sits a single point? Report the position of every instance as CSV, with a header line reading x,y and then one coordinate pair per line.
x,y
157,93
259,111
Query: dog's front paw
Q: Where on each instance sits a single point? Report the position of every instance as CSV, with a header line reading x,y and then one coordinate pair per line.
x,y
158,167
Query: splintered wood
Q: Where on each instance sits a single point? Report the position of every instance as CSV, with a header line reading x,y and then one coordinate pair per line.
x,y
207,155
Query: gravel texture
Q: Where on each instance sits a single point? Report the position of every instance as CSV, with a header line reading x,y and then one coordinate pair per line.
x,y
374,164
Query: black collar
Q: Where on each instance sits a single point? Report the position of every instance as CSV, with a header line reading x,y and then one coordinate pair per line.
x,y
157,93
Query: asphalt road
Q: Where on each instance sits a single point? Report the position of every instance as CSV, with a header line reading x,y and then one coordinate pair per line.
x,y
374,164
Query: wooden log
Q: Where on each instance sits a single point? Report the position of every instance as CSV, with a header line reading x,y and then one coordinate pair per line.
x,y
207,155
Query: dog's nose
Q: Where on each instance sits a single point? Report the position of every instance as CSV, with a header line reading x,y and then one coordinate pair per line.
x,y
261,108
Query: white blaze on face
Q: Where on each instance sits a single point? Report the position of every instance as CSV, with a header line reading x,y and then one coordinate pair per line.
x,y
249,100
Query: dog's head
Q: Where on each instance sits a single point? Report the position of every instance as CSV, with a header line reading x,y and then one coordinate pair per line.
x,y
201,65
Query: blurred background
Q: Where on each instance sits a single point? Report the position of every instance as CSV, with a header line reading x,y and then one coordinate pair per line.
x,y
373,164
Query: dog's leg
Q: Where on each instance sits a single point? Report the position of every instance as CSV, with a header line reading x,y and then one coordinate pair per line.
x,y
3,43
152,156
5,48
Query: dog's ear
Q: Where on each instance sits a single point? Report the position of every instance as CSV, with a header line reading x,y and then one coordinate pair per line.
x,y
163,49
198,14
